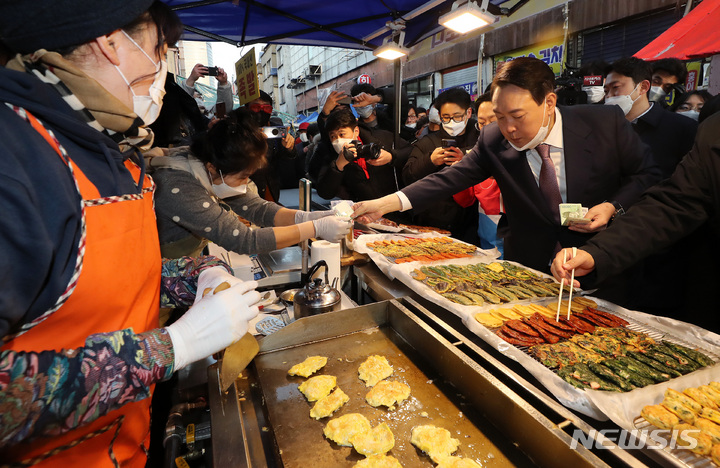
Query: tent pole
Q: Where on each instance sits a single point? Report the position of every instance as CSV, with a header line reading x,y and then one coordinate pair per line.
x,y
397,72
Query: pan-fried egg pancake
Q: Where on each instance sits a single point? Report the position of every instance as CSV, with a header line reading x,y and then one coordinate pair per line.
x,y
309,366
377,441
328,405
374,369
341,430
435,441
387,394
318,387
378,461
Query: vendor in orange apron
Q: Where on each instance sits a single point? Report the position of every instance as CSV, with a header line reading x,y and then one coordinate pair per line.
x,y
110,293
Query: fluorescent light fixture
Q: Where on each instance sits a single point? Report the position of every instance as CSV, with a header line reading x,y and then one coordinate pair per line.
x,y
391,50
467,17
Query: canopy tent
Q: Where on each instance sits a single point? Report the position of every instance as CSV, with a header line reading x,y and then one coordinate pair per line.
x,y
694,36
341,23
306,118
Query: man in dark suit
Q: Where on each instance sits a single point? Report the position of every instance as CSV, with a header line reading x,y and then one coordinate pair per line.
x,y
666,214
669,135
541,156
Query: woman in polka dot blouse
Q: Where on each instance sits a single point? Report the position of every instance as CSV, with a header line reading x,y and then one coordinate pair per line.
x,y
202,189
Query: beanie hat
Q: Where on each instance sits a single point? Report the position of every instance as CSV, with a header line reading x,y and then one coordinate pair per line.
x,y
26,26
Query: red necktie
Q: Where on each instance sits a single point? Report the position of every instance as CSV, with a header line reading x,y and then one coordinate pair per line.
x,y
548,181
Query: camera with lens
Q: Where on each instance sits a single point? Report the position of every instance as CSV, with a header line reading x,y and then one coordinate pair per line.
x,y
569,88
274,132
368,151
212,71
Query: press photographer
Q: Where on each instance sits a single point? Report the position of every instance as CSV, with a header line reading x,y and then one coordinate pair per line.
x,y
355,162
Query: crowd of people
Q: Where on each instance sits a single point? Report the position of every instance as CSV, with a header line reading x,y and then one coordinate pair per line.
x,y
115,177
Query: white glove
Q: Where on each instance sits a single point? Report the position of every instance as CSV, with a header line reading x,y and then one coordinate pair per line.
x,y
333,228
213,323
212,278
302,216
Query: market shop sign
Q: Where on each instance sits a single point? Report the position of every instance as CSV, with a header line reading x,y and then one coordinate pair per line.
x,y
471,89
552,53
248,88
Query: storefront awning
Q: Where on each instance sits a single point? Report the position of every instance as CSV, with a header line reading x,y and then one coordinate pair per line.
x,y
694,36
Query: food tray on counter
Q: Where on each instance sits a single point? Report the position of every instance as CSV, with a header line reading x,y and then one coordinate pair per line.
x,y
386,264
403,272
603,405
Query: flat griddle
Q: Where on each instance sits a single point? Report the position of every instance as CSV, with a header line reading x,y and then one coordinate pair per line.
x,y
263,420
432,401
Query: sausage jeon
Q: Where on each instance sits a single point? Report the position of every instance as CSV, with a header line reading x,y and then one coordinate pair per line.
x,y
522,336
513,341
541,322
580,325
556,324
614,318
596,320
518,325
547,335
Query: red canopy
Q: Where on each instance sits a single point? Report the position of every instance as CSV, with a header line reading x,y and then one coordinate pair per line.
x,y
697,35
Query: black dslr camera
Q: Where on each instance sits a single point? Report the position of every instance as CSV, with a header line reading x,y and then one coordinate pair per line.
x,y
212,71
369,151
569,88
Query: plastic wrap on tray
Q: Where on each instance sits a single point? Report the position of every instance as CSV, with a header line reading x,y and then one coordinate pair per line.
x,y
621,408
403,272
385,264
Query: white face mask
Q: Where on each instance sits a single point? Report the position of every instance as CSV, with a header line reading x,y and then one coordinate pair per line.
x,y
625,101
411,125
455,128
303,137
656,94
595,94
365,111
434,116
148,107
539,136
692,114
340,143
223,190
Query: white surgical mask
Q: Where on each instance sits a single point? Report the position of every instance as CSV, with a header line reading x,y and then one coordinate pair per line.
x,y
303,137
692,114
455,128
223,190
411,125
539,136
340,143
147,107
656,94
365,111
625,101
595,94
434,116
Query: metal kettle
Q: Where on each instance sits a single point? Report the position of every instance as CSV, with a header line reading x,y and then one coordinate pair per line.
x,y
317,297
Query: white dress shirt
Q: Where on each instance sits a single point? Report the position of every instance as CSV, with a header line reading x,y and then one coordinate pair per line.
x,y
557,154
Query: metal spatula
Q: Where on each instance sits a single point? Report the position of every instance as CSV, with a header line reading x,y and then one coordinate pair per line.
x,y
238,355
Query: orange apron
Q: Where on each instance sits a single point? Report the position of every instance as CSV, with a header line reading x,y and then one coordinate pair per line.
x,y
116,287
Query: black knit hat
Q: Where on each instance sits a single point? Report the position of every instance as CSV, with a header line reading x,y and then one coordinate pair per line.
x,y
26,26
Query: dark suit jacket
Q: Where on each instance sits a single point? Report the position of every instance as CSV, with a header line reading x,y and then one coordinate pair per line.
x,y
669,135
667,213
604,161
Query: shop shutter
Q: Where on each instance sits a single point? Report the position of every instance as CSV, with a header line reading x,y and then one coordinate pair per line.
x,y
626,38
460,77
